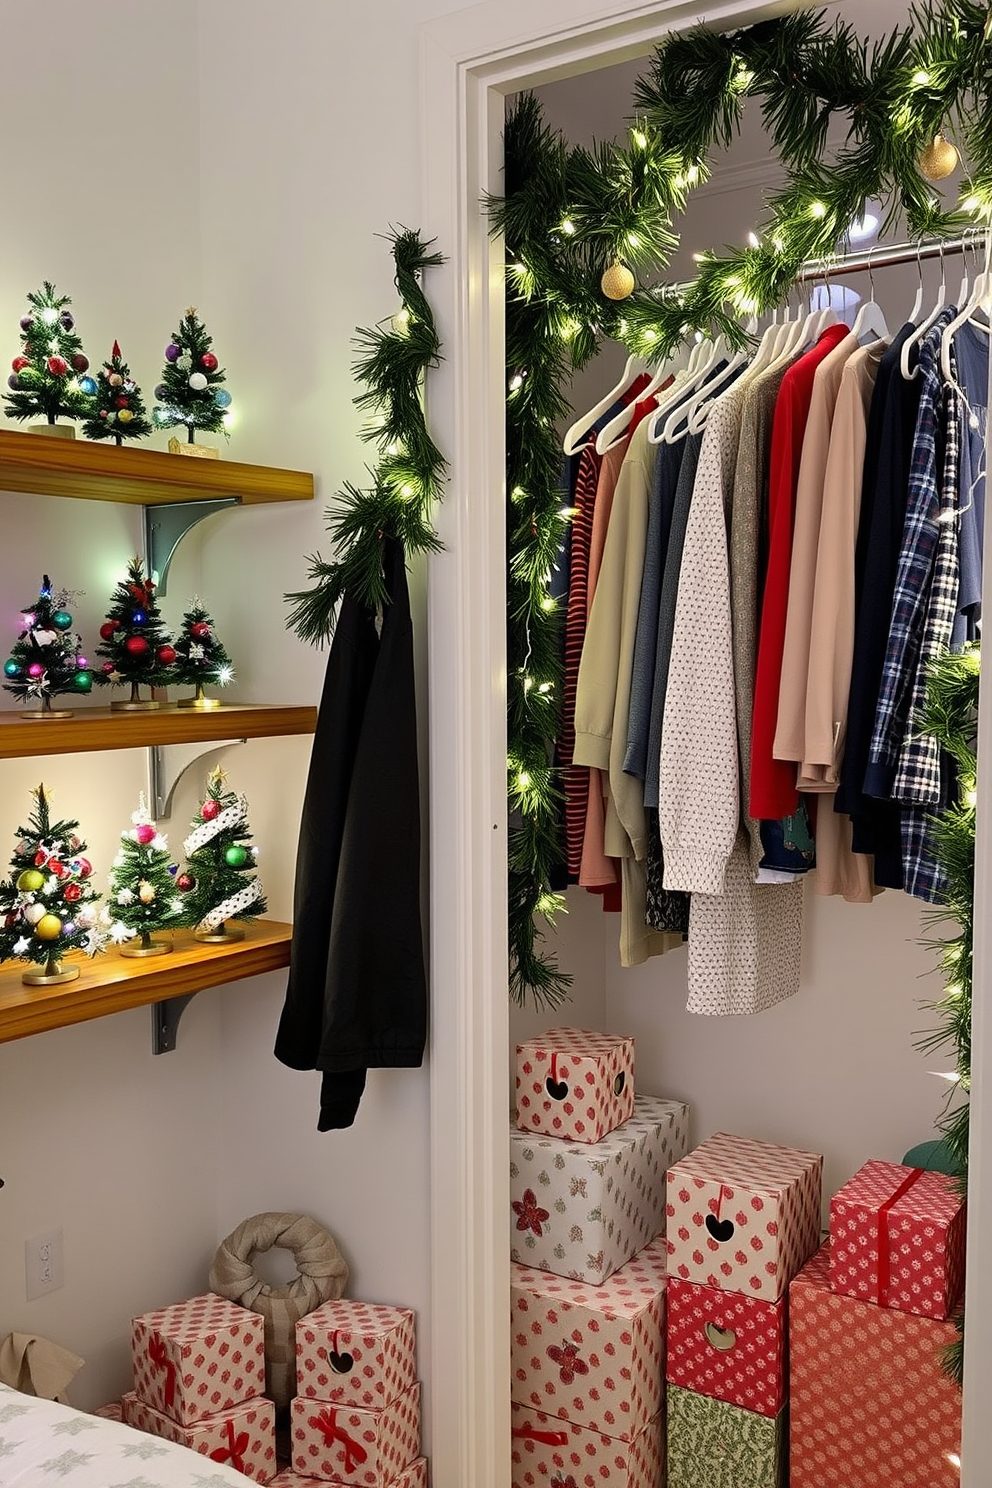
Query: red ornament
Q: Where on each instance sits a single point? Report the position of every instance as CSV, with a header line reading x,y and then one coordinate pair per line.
x,y
209,809
40,858
80,363
137,645
166,655
107,629
109,666
200,631
83,867
185,882
144,833
57,366
208,360
120,402
57,867
103,413
20,362
73,892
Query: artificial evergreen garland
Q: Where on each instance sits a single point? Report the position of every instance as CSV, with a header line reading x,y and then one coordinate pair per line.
x,y
408,476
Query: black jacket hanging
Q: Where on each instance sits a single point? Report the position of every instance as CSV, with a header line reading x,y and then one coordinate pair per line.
x,y
357,993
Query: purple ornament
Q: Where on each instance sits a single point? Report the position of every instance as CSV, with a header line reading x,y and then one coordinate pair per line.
x,y
27,321
66,320
161,392
69,928
173,352
13,381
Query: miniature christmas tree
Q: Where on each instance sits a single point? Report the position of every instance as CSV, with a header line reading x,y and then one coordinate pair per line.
x,y
143,897
219,881
117,411
48,905
200,658
46,659
191,391
136,646
45,380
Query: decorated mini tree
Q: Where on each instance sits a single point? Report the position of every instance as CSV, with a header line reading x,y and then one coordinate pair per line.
x,y
46,660
200,657
135,644
117,409
143,896
191,391
219,881
48,905
45,376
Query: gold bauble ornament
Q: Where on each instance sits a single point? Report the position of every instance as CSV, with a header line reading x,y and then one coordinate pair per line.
x,y
146,892
938,160
49,927
617,282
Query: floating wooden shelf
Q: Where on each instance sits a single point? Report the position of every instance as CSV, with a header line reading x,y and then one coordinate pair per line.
x,y
111,983
140,477
103,728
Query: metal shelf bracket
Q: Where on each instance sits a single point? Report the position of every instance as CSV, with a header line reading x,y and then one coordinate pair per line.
x,y
165,527
165,1022
166,765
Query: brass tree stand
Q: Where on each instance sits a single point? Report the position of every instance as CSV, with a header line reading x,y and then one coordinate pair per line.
x,y
51,975
148,947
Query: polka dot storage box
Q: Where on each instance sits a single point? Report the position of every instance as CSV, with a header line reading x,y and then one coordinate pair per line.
x,y
575,1084
198,1357
355,1353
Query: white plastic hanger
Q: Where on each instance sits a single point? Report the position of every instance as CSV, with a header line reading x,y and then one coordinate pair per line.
x,y
978,300
709,353
869,323
580,430
909,372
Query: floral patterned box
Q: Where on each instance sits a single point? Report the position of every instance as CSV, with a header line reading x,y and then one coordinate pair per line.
x,y
581,1209
743,1215
244,1437
715,1445
355,1353
575,1084
869,1403
198,1357
897,1238
547,1451
348,1444
727,1345
594,1355
414,1476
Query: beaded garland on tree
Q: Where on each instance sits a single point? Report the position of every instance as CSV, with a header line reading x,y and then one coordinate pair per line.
x,y
47,658
219,881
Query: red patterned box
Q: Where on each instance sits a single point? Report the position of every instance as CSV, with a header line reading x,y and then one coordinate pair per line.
x,y
550,1453
743,1215
244,1437
414,1476
897,1238
350,1445
575,1084
870,1404
114,1411
727,1345
355,1353
198,1357
592,1355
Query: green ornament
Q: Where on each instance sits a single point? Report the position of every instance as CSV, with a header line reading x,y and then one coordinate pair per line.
x,y
30,881
83,682
10,668
61,619
235,856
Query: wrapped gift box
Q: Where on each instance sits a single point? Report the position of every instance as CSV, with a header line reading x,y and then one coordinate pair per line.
x,y
350,1445
582,1209
546,1450
355,1353
715,1445
244,1437
198,1357
727,1345
414,1476
897,1238
743,1215
113,1411
592,1355
869,1402
575,1084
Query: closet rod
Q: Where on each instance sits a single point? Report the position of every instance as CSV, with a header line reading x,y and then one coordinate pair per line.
x,y
880,258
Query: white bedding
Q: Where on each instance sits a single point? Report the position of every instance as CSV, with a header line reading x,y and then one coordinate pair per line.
x,y
46,1445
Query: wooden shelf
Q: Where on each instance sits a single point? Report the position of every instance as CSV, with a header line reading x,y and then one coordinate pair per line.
x,y
42,466
104,728
111,983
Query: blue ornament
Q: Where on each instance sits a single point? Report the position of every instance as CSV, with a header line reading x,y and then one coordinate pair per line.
x,y
13,381
139,617
11,668
87,386
222,398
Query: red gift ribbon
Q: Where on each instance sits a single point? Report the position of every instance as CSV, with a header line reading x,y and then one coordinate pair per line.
x,y
160,1358
546,1438
354,1452
234,1451
884,1262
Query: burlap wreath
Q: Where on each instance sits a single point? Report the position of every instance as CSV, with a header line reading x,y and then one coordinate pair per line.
x,y
322,1277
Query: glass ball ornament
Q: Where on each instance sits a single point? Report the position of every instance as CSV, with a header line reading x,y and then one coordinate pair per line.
x,y
209,361
209,809
30,881
235,856
35,669
166,655
49,927
83,682
197,381
14,382
107,629
57,366
19,362
136,645
26,322
184,361
115,379
185,882
66,320
222,398
34,912
61,619
125,416
80,363
11,668
144,832
73,892
87,386
173,352
161,391
139,617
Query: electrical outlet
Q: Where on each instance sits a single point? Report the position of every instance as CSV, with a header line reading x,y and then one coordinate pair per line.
x,y
44,1264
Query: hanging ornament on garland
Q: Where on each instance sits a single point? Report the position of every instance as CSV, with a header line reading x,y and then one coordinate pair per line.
x,y
617,282
939,160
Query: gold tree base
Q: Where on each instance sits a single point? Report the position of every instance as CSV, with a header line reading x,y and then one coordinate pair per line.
x,y
223,935
141,705
154,948
47,713
203,703
51,975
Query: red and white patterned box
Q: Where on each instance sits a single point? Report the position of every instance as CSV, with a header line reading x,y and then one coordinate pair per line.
x,y
356,1353
547,1452
575,1084
244,1437
592,1355
198,1357
743,1215
581,1209
113,1411
414,1476
727,1345
897,1239
350,1445
869,1402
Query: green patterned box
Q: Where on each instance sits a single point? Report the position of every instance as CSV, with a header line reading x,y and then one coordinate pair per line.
x,y
715,1445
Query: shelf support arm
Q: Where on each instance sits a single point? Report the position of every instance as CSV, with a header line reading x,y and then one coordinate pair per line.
x,y
165,527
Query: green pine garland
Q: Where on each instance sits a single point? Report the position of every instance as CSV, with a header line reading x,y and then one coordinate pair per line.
x,y
408,476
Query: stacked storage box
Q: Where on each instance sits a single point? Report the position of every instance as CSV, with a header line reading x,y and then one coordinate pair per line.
x,y
743,1217
199,1373
868,1322
587,1190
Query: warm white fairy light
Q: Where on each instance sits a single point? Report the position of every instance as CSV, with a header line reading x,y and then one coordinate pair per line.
x,y
516,382
753,239
49,316
921,79
640,138
568,227
818,210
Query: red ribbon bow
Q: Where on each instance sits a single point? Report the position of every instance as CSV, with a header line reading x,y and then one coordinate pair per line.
x,y
234,1451
547,1438
160,1358
354,1452
884,1257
